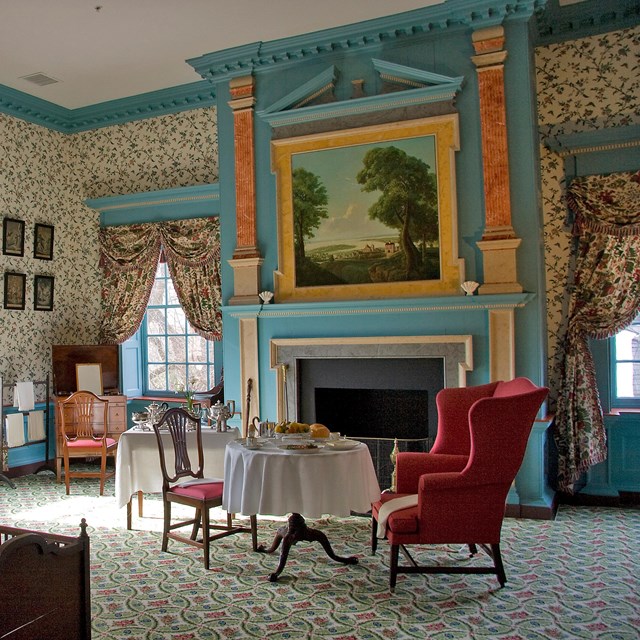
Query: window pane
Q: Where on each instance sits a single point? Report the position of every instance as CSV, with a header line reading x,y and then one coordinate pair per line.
x,y
175,321
156,349
177,349
628,344
177,376
155,321
157,377
157,293
174,351
172,296
198,378
628,380
197,349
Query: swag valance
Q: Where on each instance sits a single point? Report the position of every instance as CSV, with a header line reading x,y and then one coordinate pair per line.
x,y
129,257
605,299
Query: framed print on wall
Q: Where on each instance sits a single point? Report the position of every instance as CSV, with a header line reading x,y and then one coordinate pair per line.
x,y
12,237
43,241
14,290
368,213
43,293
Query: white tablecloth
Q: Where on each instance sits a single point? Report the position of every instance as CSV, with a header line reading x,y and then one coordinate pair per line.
x,y
138,460
270,481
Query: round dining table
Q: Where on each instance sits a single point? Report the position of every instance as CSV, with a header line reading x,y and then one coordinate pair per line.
x,y
265,479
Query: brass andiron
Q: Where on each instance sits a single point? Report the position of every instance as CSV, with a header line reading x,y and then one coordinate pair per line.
x,y
394,457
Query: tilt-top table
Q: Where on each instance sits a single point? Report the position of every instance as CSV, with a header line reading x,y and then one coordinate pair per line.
x,y
276,482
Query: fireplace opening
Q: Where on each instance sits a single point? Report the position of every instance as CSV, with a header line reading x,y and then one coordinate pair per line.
x,y
379,401
374,413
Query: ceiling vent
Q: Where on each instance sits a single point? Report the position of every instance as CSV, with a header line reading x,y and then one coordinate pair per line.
x,y
41,79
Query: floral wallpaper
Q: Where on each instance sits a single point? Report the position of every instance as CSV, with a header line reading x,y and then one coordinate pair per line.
x,y
179,150
582,85
45,176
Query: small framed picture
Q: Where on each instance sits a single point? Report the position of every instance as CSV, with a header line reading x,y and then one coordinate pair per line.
x,y
43,293
14,290
43,241
12,237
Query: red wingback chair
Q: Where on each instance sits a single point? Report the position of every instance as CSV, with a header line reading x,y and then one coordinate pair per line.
x,y
465,505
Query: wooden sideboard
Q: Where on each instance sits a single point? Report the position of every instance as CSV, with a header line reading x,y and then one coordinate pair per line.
x,y
117,423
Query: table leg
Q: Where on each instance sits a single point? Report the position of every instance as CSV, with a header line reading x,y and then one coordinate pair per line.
x,y
296,530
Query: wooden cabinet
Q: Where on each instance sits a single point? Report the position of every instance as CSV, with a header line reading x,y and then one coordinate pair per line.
x,y
116,423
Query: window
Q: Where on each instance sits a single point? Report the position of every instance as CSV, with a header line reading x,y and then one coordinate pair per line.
x,y
174,355
625,363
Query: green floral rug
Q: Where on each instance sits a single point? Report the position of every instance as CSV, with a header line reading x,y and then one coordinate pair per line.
x,y
572,578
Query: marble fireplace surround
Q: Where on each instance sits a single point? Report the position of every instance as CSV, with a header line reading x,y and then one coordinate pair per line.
x,y
455,351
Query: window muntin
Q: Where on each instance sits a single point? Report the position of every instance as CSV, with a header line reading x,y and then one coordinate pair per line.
x,y
175,355
625,361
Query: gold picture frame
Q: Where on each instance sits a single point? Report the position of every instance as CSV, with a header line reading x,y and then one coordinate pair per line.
x,y
338,238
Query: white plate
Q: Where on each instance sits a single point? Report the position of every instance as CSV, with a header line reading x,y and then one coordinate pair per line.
x,y
342,445
299,448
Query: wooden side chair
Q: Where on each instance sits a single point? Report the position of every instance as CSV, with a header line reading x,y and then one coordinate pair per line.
x,y
185,484
84,426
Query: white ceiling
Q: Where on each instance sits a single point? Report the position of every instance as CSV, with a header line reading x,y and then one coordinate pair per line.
x,y
103,50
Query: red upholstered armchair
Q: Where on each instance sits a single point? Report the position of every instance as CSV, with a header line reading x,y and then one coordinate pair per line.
x,y
448,496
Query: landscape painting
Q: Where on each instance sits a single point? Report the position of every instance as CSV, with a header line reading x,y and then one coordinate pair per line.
x,y
362,212
366,213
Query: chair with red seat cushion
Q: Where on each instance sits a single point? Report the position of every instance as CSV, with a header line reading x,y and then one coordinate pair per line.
x,y
464,506
187,485
84,428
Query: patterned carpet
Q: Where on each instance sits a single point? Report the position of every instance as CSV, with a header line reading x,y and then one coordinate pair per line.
x,y
572,578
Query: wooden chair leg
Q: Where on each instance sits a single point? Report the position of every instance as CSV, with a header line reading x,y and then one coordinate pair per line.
x,y
205,537
66,472
166,525
497,563
229,521
140,501
393,566
103,473
196,524
129,514
254,531
374,535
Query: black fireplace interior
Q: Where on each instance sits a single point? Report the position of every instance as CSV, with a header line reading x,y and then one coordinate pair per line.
x,y
374,413
388,397
377,400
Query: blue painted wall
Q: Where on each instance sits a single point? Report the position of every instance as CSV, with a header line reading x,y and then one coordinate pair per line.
x,y
443,53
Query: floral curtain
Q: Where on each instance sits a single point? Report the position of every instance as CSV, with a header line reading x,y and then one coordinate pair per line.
x,y
605,299
129,257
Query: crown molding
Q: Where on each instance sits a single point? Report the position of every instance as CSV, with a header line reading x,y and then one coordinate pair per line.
x,y
181,202
449,15
22,105
560,23
608,139
194,95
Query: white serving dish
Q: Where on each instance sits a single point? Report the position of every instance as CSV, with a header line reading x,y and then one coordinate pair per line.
x,y
342,445
300,447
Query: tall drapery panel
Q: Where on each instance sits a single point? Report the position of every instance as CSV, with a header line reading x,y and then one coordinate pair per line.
x,y
129,257
605,299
